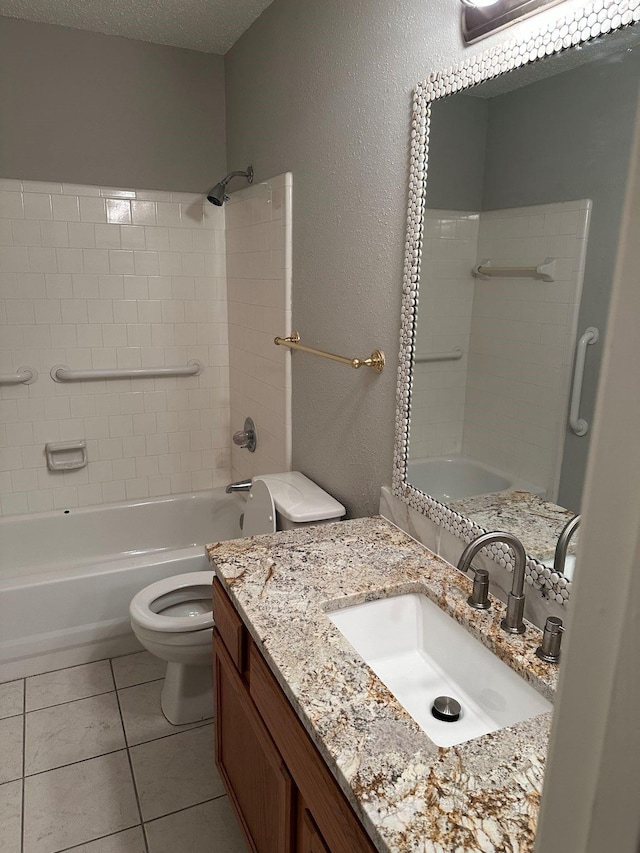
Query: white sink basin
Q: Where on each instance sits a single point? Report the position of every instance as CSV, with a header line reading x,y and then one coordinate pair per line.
x,y
420,653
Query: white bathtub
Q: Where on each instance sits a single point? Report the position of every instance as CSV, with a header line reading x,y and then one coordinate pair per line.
x,y
67,577
459,477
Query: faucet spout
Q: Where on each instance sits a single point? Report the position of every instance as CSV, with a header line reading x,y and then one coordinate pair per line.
x,y
513,620
563,543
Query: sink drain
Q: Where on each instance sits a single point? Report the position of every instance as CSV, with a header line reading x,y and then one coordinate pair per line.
x,y
446,709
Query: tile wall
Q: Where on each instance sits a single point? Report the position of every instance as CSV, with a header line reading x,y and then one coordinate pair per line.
x,y
93,277
444,323
523,337
259,240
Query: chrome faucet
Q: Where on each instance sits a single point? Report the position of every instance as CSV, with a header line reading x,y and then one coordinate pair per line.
x,y
512,621
240,486
563,543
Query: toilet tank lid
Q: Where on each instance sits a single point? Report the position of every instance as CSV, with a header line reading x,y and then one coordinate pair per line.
x,y
299,499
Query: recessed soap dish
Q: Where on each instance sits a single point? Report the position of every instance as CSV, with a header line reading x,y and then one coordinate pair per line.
x,y
66,455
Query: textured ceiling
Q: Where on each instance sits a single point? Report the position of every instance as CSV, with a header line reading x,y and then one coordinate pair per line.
x,y
208,25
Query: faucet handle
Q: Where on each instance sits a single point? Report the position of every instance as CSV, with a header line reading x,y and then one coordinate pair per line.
x,y
549,650
479,598
246,438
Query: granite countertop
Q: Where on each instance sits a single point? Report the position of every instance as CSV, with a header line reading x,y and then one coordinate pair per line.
x,y
536,523
410,794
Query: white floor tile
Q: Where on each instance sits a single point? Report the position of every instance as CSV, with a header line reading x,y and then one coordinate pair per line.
x,y
72,732
142,715
208,828
176,772
129,841
137,669
10,817
11,732
11,698
65,685
76,804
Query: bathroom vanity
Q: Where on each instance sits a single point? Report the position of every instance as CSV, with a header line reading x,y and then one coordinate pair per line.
x,y
316,753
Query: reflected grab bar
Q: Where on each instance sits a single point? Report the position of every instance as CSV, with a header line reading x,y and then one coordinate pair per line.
x,y
454,355
22,376
61,373
578,424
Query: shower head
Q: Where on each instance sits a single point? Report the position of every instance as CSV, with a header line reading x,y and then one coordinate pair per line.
x,y
218,195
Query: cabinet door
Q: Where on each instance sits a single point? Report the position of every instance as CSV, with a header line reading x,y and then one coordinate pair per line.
x,y
254,774
341,829
309,838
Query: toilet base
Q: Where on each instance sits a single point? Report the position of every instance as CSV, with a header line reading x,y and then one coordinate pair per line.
x,y
187,693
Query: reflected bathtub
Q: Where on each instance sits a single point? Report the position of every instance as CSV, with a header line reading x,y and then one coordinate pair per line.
x,y
456,477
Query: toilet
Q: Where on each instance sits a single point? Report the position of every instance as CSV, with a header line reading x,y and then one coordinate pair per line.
x,y
173,618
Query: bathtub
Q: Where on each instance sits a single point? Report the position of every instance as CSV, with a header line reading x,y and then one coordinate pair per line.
x,y
67,577
459,477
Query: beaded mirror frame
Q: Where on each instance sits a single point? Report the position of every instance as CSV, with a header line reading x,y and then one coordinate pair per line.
x,y
585,24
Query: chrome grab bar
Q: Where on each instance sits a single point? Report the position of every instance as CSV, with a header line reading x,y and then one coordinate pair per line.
x,y
61,373
578,424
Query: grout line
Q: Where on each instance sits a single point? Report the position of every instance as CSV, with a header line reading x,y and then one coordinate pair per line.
x,y
133,777
58,669
72,763
192,727
185,809
24,759
73,666
110,751
140,683
70,701
101,838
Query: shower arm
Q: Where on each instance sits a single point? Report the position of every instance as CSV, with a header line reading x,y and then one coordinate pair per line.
x,y
248,175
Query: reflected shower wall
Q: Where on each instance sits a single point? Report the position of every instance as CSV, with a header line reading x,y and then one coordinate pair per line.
x,y
504,403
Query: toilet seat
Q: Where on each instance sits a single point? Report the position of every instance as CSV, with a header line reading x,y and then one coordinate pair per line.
x,y
149,606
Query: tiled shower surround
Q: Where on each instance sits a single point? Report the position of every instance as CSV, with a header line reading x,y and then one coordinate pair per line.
x,y
259,241
93,277
505,401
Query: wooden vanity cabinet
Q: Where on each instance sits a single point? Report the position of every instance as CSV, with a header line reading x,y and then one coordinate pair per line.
x,y
284,795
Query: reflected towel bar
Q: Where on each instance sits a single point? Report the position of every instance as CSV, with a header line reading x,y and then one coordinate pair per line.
x,y
61,373
545,271
376,361
22,376
454,355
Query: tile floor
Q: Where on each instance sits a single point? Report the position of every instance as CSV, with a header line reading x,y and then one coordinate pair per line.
x,y
89,764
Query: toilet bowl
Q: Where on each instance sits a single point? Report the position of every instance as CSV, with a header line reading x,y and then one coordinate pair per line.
x,y
174,621
173,618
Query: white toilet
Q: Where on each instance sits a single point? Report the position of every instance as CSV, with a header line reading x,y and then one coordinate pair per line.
x,y
172,618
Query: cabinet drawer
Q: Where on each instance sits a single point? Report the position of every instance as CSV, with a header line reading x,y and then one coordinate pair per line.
x,y
335,819
229,625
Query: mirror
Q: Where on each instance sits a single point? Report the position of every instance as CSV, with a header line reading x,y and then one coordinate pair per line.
x,y
518,232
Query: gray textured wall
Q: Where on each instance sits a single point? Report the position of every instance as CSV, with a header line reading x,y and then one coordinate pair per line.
x,y
560,139
457,149
94,109
324,90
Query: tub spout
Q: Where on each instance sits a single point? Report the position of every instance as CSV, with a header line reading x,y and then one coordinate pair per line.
x,y
240,486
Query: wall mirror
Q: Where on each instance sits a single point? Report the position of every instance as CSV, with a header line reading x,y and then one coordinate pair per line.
x,y
518,172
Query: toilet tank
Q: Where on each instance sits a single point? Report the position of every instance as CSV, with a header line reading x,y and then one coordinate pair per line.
x,y
299,502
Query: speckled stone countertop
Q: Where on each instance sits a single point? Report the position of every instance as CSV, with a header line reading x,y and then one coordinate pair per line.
x,y
536,523
478,797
